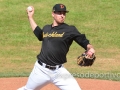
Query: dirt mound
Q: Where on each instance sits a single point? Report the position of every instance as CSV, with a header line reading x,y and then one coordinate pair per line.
x,y
85,84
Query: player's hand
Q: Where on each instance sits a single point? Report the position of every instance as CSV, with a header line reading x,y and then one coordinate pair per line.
x,y
90,52
30,13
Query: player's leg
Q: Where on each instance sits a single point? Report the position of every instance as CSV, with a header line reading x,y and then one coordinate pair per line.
x,y
65,81
37,79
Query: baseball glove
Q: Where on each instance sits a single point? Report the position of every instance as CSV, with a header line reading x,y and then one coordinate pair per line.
x,y
83,60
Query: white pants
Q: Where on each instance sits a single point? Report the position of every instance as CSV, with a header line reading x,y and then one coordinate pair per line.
x,y
41,76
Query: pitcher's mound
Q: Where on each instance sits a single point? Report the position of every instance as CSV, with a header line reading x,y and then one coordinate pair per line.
x,y
85,84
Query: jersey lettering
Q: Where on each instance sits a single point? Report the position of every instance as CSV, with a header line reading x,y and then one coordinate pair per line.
x,y
53,34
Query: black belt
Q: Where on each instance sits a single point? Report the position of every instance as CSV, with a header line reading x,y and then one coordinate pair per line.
x,y
49,66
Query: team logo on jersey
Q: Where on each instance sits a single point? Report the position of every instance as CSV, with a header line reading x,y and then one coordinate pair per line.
x,y
53,34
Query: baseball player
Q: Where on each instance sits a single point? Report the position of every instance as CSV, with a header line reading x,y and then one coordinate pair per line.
x,y
56,40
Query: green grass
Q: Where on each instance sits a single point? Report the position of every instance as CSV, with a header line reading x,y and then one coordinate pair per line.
x,y
99,20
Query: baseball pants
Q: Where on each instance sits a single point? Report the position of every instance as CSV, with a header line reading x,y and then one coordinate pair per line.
x,y
41,76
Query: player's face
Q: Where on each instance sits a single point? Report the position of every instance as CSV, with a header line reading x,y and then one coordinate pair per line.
x,y
59,17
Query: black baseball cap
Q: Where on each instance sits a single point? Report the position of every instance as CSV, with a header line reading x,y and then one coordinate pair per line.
x,y
59,7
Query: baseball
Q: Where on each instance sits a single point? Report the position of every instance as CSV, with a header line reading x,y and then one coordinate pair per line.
x,y
29,8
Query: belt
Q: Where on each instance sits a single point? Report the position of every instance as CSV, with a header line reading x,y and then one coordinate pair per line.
x,y
49,66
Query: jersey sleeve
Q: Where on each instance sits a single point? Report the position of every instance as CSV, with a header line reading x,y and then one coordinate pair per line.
x,y
38,33
80,38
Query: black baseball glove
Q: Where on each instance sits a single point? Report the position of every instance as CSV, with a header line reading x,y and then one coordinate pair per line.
x,y
84,60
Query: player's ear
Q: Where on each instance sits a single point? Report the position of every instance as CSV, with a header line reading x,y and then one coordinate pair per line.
x,y
52,14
